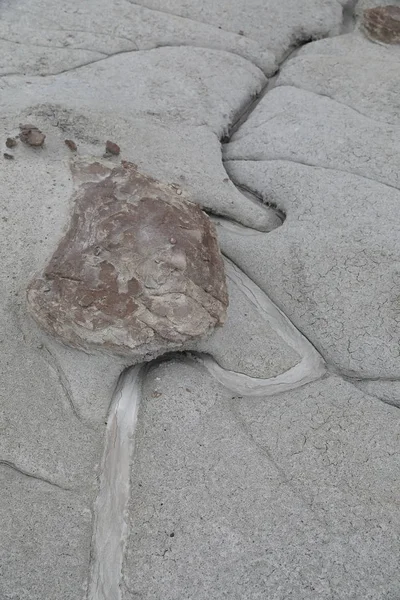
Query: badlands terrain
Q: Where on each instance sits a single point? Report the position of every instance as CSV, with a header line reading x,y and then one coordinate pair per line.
x,y
224,424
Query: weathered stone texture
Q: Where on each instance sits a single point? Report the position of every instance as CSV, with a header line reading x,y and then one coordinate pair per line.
x,y
138,272
382,23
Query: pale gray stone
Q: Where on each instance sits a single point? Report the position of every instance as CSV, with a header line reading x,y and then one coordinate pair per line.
x,y
387,391
192,86
275,25
301,126
363,77
45,539
247,343
332,266
137,274
285,497
353,42
293,496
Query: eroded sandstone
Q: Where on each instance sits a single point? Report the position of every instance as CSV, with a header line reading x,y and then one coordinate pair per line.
x,y
138,272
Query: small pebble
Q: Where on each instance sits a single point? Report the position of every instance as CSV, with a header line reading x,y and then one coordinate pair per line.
x,y
112,148
8,156
31,135
11,142
71,145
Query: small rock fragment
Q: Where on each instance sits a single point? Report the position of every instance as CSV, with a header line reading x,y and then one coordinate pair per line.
x,y
71,145
112,148
382,24
8,156
31,135
11,142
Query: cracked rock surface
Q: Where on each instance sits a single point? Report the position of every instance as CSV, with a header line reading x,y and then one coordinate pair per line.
x,y
297,504
273,472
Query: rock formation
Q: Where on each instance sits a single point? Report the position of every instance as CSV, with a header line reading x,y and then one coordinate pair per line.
x,y
138,272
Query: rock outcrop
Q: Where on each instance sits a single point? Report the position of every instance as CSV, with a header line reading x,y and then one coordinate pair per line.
x,y
139,271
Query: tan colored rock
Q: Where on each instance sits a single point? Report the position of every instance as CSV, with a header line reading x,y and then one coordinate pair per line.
x,y
382,23
139,271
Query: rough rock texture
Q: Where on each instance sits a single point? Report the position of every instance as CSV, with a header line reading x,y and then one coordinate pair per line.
x,y
278,26
335,260
138,273
300,126
293,497
317,146
54,399
96,29
382,23
247,343
192,86
31,135
31,41
351,71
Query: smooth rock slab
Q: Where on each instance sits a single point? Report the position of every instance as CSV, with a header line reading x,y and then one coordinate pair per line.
x,y
382,23
292,497
138,272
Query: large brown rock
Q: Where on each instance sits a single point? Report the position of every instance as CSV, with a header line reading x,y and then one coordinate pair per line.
x,y
139,271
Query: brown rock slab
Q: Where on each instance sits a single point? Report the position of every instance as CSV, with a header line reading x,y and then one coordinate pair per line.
x,y
139,271
382,23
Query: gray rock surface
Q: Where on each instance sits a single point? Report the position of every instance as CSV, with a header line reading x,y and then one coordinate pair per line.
x,y
278,26
32,41
354,73
387,391
287,497
278,495
194,86
247,343
332,265
45,538
137,274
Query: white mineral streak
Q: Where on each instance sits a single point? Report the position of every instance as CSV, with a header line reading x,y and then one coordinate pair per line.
x,y
110,526
310,368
